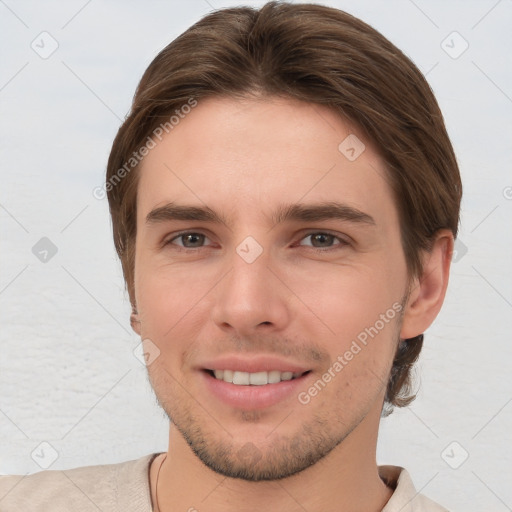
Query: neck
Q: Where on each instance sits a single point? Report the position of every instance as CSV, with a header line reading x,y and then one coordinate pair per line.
x,y
347,479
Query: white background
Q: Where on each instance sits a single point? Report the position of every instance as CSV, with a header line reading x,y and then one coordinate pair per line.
x,y
68,376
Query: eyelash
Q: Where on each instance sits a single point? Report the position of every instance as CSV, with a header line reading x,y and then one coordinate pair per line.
x,y
341,241
182,234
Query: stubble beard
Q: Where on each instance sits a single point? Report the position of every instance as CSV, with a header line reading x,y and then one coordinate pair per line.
x,y
281,457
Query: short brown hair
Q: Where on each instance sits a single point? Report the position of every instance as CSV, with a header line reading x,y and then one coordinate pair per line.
x,y
319,55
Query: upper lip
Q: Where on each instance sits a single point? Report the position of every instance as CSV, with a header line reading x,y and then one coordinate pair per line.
x,y
254,364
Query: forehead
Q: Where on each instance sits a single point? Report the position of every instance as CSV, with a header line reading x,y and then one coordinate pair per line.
x,y
253,154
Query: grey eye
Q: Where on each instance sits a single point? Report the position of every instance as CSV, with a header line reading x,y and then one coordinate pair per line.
x,y
190,240
320,240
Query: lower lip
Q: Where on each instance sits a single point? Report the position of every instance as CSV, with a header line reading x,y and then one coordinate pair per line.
x,y
253,397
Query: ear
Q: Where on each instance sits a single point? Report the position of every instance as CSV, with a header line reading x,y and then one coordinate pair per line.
x,y
427,292
134,320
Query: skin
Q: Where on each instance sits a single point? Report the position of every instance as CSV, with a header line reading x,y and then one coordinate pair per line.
x,y
244,159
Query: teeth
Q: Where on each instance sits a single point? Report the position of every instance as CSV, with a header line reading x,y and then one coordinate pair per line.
x,y
258,379
254,379
274,377
241,378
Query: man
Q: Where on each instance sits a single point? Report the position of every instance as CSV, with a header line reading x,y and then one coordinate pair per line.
x,y
284,199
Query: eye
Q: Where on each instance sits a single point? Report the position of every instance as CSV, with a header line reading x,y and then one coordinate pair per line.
x,y
322,240
189,240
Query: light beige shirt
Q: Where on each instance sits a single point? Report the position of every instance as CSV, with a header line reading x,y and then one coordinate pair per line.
x,y
124,487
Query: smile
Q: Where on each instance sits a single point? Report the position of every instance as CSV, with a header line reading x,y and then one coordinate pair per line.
x,y
253,390
240,378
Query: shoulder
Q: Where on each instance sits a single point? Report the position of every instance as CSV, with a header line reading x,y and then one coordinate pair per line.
x,y
112,487
405,498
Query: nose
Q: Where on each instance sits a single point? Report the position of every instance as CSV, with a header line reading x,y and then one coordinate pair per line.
x,y
251,299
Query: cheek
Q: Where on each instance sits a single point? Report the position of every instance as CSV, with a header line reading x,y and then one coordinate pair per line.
x,y
347,300
167,297
361,308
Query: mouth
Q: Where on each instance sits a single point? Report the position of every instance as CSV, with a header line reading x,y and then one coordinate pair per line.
x,y
256,390
263,378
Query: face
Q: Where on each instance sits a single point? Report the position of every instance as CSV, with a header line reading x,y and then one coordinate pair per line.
x,y
270,276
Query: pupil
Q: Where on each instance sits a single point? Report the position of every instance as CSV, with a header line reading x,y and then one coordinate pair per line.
x,y
194,240
322,239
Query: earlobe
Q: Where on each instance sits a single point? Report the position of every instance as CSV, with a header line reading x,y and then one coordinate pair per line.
x,y
427,292
135,321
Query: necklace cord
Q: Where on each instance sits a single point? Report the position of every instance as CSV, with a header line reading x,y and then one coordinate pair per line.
x,y
156,484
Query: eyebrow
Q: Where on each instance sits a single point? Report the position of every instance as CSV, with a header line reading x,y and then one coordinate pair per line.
x,y
321,211
172,211
291,212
